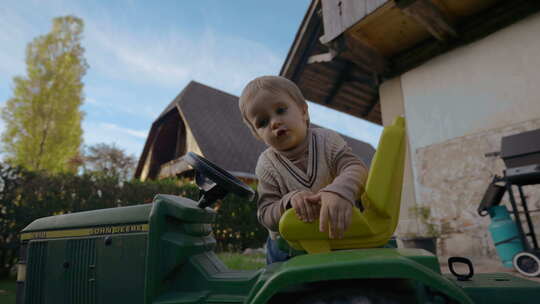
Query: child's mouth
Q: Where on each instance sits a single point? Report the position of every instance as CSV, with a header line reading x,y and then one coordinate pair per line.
x,y
281,132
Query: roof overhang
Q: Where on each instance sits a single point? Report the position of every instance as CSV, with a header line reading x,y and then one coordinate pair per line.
x,y
344,49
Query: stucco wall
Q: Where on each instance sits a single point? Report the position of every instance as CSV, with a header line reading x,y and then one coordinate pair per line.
x,y
458,106
391,98
491,83
452,177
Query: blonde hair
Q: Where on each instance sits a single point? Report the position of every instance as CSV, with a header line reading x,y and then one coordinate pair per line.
x,y
273,84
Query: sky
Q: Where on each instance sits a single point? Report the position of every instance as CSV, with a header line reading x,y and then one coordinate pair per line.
x,y
143,53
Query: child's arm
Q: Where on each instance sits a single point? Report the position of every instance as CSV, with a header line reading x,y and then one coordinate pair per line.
x,y
351,175
337,199
336,214
270,205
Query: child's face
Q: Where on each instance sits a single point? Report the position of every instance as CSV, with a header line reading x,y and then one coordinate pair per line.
x,y
278,120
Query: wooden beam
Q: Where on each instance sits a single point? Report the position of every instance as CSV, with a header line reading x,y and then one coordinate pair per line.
x,y
365,56
471,29
313,39
339,15
357,91
299,44
343,76
371,107
430,16
370,80
358,52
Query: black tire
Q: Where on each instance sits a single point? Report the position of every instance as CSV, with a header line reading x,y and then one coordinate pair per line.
x,y
527,263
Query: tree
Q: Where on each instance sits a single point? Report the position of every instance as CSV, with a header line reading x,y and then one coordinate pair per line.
x,y
110,161
43,118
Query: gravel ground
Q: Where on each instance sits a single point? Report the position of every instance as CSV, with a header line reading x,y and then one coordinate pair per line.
x,y
483,265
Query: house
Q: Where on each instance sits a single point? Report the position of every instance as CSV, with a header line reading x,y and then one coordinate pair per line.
x,y
207,121
463,73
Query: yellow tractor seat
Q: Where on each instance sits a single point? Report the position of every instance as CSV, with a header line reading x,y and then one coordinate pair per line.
x,y
381,200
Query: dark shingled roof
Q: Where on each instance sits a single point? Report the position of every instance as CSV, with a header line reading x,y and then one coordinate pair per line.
x,y
216,123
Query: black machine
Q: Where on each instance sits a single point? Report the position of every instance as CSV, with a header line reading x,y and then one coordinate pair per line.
x,y
521,155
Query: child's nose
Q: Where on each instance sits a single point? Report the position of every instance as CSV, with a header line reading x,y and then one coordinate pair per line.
x,y
276,122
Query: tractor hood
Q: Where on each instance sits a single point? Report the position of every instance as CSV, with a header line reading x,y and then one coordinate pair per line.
x,y
102,217
185,210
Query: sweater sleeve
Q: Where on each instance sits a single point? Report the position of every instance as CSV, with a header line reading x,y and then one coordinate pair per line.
x,y
270,204
350,172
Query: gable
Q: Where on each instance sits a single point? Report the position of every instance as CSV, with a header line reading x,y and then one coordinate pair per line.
x,y
208,122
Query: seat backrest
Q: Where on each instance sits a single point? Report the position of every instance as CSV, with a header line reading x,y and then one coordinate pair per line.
x,y
382,200
385,179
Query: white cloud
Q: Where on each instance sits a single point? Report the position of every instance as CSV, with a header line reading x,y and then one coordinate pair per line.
x,y
116,128
122,55
131,141
92,101
121,104
132,64
141,59
224,61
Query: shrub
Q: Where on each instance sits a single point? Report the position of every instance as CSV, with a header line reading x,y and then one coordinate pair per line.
x,y
26,196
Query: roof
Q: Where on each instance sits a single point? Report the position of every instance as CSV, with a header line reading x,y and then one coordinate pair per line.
x,y
332,82
216,123
344,50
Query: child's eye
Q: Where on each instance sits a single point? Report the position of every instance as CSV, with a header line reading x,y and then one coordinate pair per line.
x,y
261,123
280,111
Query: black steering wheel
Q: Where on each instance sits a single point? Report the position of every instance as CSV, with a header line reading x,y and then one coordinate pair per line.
x,y
215,182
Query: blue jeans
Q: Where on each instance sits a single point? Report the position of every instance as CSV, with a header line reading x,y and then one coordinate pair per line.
x,y
273,253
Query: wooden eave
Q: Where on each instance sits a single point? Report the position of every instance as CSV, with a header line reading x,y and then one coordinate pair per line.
x,y
336,83
343,50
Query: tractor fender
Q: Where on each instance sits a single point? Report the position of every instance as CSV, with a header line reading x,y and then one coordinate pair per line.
x,y
378,263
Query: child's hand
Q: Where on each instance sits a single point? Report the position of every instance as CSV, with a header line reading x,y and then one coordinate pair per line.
x,y
307,210
336,212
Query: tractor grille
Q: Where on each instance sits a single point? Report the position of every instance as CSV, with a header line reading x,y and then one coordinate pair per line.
x,y
36,272
80,281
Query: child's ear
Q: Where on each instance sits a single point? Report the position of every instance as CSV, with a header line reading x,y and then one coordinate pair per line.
x,y
305,112
304,108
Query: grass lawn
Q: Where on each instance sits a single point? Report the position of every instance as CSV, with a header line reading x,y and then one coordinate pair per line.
x,y
7,291
239,261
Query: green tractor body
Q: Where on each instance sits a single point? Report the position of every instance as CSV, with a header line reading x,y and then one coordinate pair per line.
x,y
163,253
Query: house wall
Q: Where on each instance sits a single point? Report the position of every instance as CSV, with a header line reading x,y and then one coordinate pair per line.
x,y
191,143
392,105
488,84
458,106
177,165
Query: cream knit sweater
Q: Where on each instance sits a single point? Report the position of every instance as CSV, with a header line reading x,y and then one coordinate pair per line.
x,y
323,162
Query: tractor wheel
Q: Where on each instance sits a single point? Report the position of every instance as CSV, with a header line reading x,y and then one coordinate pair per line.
x,y
349,296
527,263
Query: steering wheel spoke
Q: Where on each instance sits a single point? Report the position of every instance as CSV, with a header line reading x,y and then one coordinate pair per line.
x,y
214,182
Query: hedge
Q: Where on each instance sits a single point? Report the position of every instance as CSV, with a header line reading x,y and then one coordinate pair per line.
x,y
26,196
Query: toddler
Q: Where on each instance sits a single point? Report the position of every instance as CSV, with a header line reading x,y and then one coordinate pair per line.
x,y
311,170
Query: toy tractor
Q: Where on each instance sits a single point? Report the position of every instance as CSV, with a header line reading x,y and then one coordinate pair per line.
x,y
162,253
